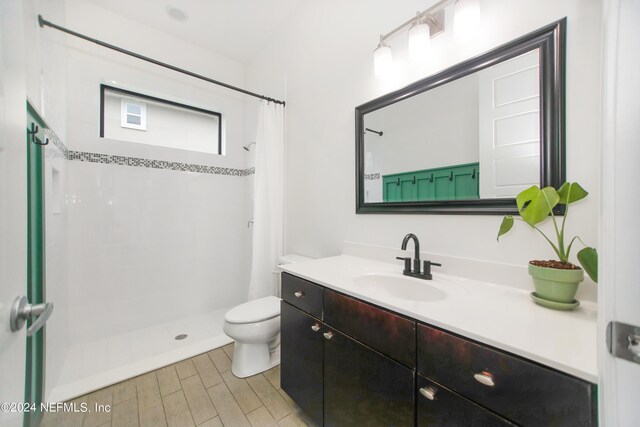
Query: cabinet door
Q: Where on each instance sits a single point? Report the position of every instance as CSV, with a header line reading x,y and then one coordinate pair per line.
x,y
408,188
301,360
465,182
441,407
442,184
425,187
400,188
391,189
362,387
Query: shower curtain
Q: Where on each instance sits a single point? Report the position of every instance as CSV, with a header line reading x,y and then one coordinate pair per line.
x,y
268,201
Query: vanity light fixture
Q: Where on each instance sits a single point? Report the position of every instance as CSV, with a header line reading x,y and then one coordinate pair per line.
x,y
382,60
466,19
419,40
423,27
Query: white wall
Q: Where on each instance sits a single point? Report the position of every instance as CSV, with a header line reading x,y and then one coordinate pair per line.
x,y
324,54
148,245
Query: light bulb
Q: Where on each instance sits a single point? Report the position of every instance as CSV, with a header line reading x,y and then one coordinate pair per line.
x,y
419,41
382,61
466,19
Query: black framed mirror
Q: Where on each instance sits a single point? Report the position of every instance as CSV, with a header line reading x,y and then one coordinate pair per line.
x,y
468,139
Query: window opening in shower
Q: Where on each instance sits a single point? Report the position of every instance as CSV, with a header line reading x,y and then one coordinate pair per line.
x,y
143,119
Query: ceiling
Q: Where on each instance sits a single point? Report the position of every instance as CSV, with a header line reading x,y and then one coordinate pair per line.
x,y
233,28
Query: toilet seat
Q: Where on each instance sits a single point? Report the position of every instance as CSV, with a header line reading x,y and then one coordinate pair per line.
x,y
258,310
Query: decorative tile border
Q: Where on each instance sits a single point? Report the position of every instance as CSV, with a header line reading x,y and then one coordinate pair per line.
x,y
111,159
371,176
57,142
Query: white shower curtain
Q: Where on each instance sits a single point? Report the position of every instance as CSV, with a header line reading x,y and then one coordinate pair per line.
x,y
268,201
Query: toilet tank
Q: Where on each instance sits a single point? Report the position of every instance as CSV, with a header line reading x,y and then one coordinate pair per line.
x,y
288,259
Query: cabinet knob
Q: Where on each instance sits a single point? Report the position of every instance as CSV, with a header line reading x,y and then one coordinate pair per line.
x,y
298,294
328,335
484,378
315,328
428,392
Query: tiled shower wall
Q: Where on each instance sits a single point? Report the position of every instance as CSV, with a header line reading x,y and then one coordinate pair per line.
x,y
149,246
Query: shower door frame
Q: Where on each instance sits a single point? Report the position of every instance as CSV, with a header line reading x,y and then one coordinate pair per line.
x,y
35,362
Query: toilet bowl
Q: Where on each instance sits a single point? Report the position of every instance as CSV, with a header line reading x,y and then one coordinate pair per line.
x,y
255,328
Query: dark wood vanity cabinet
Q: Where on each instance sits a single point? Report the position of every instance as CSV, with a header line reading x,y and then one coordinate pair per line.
x,y
346,362
339,379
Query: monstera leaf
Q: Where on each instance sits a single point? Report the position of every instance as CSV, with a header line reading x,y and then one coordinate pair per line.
x,y
571,192
535,205
507,223
588,258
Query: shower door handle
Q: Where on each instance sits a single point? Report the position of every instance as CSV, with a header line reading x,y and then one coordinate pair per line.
x,y
21,311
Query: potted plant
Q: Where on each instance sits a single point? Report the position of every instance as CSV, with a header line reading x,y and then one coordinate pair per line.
x,y
556,281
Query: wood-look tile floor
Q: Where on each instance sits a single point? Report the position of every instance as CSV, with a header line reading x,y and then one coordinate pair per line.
x,y
200,391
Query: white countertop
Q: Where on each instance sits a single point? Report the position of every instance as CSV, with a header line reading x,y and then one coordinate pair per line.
x,y
500,316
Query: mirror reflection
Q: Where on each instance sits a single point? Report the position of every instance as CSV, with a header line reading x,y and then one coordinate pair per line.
x,y
477,137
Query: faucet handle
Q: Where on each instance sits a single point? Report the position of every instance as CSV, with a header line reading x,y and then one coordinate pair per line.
x,y
427,268
407,264
428,264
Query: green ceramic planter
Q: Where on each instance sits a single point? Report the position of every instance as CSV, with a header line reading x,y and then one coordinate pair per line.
x,y
554,284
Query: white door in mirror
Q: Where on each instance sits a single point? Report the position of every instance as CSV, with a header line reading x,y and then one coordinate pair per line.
x,y
509,126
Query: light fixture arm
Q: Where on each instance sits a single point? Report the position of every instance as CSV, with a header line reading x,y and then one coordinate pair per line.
x,y
434,16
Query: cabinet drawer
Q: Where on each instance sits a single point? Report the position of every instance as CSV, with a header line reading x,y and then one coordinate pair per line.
x,y
388,333
448,409
524,392
303,294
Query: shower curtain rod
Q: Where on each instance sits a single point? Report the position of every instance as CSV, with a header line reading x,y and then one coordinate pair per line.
x,y
43,22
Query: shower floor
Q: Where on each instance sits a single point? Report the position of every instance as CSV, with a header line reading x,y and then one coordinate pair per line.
x,y
96,364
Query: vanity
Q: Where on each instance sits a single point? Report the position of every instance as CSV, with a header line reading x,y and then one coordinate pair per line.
x,y
364,345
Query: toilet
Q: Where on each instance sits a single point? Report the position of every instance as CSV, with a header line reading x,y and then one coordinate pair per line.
x,y
255,327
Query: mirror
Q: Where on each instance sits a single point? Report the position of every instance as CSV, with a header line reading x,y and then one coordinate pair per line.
x,y
470,138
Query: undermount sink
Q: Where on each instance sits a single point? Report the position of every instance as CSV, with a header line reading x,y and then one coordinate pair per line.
x,y
395,286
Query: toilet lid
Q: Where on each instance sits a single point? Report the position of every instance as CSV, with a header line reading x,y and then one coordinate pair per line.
x,y
254,311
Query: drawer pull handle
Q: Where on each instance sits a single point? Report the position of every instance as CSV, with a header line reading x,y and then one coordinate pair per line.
x,y
328,335
299,294
315,327
484,378
428,392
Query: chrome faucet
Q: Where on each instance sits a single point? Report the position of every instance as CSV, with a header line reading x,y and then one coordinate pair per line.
x,y
426,274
